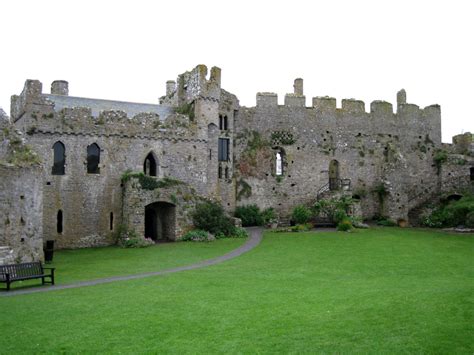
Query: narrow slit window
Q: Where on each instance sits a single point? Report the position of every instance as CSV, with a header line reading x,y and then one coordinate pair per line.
x,y
221,123
59,158
111,221
225,123
93,159
226,173
219,172
59,222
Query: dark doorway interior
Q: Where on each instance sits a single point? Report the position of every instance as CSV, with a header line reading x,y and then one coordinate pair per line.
x,y
160,221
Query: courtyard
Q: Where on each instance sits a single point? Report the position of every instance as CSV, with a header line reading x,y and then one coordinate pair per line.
x,y
376,290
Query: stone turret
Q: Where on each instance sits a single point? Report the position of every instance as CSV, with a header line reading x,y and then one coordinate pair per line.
x,y
60,87
298,86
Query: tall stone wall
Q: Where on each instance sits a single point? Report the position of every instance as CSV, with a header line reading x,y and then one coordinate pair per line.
x,y
372,148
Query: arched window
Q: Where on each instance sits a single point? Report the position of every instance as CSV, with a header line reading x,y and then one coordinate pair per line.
x,y
59,222
149,166
59,153
93,159
221,122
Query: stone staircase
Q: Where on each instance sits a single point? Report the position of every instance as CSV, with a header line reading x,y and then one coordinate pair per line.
x,y
6,256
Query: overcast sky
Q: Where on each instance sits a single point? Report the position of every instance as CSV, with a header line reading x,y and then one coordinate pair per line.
x,y
126,50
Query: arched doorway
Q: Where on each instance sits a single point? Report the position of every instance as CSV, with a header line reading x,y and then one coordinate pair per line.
x,y
160,221
334,180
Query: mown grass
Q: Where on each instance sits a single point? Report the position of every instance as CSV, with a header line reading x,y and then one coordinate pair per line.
x,y
380,290
94,263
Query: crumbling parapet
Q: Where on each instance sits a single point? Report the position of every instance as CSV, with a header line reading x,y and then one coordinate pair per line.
x,y
267,99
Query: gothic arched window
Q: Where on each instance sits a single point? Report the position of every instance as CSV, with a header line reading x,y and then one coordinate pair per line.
x,y
149,166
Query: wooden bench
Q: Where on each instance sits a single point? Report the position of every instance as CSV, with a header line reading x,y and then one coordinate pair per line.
x,y
25,271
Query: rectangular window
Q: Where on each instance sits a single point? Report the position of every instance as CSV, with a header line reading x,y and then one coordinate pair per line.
x,y
223,149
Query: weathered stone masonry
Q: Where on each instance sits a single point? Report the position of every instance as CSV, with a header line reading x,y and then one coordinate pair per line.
x,y
272,155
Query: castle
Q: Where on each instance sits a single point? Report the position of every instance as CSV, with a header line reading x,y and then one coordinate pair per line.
x,y
69,165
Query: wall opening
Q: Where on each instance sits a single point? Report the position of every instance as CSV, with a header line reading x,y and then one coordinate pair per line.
x,y
149,166
472,173
111,221
219,172
160,221
223,149
93,159
59,158
334,179
59,222
226,173
279,164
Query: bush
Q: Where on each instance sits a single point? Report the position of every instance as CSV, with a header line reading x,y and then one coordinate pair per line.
x,y
301,214
210,216
470,220
250,215
128,238
240,233
453,214
344,226
335,209
195,235
268,215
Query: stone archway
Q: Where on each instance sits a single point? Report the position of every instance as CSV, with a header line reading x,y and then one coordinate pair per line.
x,y
160,221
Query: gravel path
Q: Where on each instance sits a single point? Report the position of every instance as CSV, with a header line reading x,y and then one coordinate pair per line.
x,y
254,239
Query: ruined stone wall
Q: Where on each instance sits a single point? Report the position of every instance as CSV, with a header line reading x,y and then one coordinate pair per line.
x,y
135,199
21,196
374,147
21,212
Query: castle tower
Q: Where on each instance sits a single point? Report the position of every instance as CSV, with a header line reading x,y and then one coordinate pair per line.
x,y
60,87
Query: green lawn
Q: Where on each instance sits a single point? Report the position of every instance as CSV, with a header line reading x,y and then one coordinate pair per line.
x,y
379,290
96,263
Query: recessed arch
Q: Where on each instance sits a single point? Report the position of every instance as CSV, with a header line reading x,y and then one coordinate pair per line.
x,y
150,165
279,161
59,159
334,179
160,221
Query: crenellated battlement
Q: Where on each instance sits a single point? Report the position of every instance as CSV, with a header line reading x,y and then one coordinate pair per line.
x,y
80,121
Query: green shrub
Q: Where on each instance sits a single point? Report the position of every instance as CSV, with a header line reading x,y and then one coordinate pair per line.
x,y
344,226
470,219
210,216
195,235
301,214
268,215
240,233
452,214
335,209
250,215
128,238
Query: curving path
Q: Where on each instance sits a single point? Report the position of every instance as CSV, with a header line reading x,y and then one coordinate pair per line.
x,y
255,236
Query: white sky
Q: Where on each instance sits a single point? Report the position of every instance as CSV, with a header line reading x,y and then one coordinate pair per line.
x,y
126,50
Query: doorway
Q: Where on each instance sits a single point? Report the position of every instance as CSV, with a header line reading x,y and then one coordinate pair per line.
x,y
160,221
